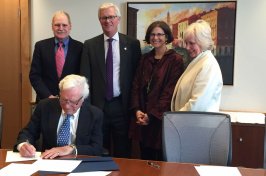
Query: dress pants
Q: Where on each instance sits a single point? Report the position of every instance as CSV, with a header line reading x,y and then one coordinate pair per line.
x,y
116,127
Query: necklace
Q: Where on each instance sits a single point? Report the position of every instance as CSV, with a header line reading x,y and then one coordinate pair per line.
x,y
149,84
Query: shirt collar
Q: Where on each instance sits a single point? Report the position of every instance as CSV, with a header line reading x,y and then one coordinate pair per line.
x,y
65,42
74,115
116,37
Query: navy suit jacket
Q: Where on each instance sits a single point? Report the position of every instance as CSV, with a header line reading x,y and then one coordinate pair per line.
x,y
93,67
43,74
45,121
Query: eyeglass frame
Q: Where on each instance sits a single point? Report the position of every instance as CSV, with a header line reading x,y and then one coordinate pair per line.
x,y
111,18
69,102
158,34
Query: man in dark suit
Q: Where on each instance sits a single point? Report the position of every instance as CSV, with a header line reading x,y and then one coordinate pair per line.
x,y
125,55
51,114
43,75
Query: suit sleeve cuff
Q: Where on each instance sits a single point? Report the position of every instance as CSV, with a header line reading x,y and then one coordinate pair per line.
x,y
20,145
151,117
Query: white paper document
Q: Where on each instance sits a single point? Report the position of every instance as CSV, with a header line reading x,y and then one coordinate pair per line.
x,y
217,171
17,169
95,173
56,165
15,156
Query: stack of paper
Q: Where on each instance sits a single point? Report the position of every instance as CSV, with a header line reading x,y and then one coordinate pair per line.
x,y
76,167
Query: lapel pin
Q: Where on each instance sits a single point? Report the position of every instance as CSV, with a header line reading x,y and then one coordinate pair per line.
x,y
125,48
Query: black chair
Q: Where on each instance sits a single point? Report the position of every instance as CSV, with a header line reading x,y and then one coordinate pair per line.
x,y
1,122
197,137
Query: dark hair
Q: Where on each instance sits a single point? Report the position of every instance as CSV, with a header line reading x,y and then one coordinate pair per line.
x,y
164,27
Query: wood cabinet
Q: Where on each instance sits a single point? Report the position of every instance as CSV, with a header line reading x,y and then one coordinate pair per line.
x,y
248,145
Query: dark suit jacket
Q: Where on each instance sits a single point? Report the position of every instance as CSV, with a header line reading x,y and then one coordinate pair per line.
x,y
45,121
93,67
43,74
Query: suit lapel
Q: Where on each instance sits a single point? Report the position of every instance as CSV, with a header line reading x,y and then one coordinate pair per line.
x,y
51,55
54,116
123,56
100,55
84,122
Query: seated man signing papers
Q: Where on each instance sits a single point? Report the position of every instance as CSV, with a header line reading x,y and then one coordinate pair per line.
x,y
68,124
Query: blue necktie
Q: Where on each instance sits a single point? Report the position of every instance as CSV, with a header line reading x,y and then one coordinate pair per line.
x,y
109,72
64,135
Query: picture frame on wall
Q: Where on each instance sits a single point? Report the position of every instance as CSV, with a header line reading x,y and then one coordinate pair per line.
x,y
221,15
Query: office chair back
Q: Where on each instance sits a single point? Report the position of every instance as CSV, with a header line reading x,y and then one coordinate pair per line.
x,y
197,137
1,122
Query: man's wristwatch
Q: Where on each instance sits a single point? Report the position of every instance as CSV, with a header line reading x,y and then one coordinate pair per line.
x,y
74,149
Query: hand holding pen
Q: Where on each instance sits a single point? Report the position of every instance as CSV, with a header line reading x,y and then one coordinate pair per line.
x,y
27,150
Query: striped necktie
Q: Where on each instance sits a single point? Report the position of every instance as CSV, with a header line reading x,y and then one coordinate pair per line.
x,y
60,60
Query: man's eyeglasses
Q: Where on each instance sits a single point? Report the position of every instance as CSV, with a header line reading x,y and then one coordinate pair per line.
x,y
111,18
158,34
58,25
70,103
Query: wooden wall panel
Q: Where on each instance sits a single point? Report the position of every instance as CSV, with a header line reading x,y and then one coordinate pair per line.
x,y
10,69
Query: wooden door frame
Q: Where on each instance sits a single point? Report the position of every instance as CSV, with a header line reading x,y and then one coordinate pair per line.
x,y
25,54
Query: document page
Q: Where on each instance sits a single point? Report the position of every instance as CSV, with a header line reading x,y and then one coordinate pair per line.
x,y
15,156
217,171
18,169
96,173
56,165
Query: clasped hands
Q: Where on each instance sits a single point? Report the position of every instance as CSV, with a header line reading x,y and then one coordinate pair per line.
x,y
28,150
142,118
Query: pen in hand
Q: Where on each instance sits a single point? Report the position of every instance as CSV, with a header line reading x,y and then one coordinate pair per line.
x,y
152,164
30,144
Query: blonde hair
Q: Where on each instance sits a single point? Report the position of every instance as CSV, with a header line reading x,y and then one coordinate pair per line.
x,y
108,5
201,30
61,13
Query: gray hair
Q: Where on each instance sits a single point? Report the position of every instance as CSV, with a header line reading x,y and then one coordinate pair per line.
x,y
61,13
201,30
71,81
108,5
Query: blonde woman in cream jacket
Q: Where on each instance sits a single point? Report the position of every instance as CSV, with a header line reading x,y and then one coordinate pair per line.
x,y
199,88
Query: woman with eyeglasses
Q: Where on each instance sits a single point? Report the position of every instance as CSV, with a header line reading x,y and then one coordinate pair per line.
x,y
200,86
153,86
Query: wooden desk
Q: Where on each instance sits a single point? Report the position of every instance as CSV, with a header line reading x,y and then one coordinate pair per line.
x,y
133,167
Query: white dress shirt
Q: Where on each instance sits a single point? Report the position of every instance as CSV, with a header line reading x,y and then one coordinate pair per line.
x,y
73,125
116,62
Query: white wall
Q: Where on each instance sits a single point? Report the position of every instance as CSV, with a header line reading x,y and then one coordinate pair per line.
x,y
249,90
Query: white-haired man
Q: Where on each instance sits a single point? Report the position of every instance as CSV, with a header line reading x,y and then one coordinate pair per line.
x,y
71,115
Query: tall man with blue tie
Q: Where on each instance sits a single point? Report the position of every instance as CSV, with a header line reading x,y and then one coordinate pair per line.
x,y
68,124
54,58
109,62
